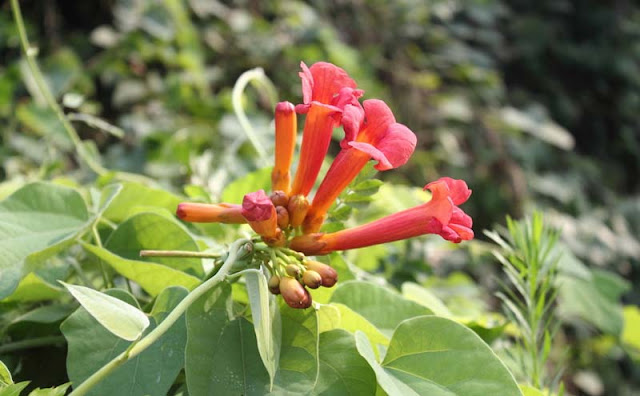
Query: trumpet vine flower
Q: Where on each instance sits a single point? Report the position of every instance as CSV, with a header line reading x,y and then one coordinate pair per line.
x,y
370,133
288,221
441,215
326,90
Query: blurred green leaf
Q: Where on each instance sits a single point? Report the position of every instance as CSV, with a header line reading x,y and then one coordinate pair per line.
x,y
38,220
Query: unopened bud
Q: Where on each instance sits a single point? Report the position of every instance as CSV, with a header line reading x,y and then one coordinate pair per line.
x,y
293,270
312,279
298,208
274,284
278,240
260,213
283,217
279,198
328,274
294,294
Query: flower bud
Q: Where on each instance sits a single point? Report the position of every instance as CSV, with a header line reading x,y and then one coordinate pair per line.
x,y
259,211
278,239
328,274
283,217
294,294
210,213
293,270
279,198
298,208
274,284
312,279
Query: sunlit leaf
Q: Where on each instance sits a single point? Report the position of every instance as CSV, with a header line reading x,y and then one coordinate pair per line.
x,y
118,317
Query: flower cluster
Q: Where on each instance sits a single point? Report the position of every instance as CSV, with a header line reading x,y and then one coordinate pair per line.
x,y
289,221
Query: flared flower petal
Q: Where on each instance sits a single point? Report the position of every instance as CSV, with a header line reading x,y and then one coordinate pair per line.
x,y
438,216
326,90
378,137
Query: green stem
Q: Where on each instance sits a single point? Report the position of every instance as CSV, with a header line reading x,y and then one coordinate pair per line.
x,y
178,253
245,78
139,346
31,343
72,134
29,54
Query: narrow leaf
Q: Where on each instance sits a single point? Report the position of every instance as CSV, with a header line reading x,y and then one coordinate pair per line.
x,y
118,317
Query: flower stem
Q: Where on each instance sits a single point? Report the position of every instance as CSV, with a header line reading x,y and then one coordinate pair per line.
x,y
139,346
254,75
30,54
31,343
178,253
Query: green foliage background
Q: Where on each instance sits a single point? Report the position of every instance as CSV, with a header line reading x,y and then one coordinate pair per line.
x,y
534,104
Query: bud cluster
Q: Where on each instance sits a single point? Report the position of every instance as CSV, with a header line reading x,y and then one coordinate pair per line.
x,y
291,275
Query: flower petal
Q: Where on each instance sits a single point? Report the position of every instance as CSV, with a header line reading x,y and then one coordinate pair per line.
x,y
307,83
378,118
458,189
328,80
352,119
397,145
383,162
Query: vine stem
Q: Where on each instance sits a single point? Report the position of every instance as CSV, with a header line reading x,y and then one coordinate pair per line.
x,y
32,343
254,75
139,346
178,253
30,54
45,91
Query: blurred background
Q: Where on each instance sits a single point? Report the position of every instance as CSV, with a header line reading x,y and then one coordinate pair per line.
x,y
534,104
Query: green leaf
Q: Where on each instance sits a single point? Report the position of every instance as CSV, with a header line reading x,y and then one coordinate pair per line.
x,y
299,365
153,231
151,373
221,354
135,195
5,376
266,320
528,390
381,306
57,391
153,278
45,314
33,288
594,300
14,389
342,370
414,292
430,355
339,316
37,221
236,190
118,317
631,330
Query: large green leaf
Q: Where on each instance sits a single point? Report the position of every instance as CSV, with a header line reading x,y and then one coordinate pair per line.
x,y
120,318
266,320
430,355
338,316
342,370
381,306
135,196
256,180
153,278
221,355
594,300
154,231
150,373
298,370
36,221
56,391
